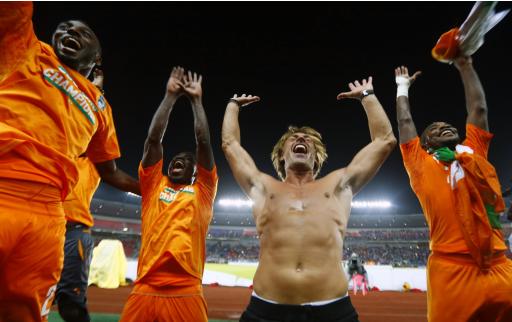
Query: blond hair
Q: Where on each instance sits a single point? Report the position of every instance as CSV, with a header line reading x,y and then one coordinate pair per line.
x,y
277,152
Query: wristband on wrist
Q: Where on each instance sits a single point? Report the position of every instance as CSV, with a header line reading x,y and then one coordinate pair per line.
x,y
232,100
366,92
402,90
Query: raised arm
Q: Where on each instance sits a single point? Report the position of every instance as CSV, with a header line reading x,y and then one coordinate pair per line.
x,y
194,91
476,104
406,127
153,149
242,165
16,34
367,162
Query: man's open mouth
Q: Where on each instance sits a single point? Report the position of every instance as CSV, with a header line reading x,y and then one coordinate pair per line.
x,y
71,43
447,132
178,167
300,148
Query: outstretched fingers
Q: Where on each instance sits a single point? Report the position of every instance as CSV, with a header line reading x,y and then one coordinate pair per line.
x,y
343,95
245,99
416,75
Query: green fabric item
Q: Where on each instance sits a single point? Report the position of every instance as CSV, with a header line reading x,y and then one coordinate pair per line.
x,y
494,218
445,154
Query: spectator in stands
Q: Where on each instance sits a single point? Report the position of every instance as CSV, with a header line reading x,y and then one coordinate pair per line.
x,y
461,197
176,211
302,220
50,115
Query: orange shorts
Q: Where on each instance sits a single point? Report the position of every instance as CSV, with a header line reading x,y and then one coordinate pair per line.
x,y
32,228
458,290
149,305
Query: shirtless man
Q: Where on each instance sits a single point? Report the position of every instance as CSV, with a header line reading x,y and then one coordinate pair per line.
x,y
301,220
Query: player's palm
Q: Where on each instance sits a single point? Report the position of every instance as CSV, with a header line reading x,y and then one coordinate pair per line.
x,y
174,85
402,76
356,89
245,100
192,85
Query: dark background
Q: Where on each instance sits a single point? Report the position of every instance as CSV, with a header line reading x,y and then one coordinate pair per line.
x,y
297,57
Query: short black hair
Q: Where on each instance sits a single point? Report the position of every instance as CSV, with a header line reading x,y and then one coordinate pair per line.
x,y
424,136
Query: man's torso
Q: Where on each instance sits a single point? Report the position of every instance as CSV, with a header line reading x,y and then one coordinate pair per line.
x,y
301,233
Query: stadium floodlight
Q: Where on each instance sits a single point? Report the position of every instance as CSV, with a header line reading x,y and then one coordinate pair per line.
x,y
246,203
235,203
371,204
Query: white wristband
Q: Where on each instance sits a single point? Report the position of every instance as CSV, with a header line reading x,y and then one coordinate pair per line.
x,y
402,90
403,86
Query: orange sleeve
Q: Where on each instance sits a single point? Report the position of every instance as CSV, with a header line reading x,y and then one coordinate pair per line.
x,y
478,139
104,145
413,155
150,177
16,35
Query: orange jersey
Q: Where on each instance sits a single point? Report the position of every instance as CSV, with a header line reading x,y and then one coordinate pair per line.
x,y
430,181
49,113
175,221
78,202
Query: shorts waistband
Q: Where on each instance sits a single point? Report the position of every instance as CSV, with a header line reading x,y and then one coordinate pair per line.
x,y
169,291
73,225
315,303
467,259
333,311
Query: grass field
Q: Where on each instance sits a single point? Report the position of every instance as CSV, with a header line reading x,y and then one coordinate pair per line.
x,y
97,317
244,271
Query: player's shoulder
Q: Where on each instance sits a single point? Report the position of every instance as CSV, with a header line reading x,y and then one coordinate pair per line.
x,y
337,174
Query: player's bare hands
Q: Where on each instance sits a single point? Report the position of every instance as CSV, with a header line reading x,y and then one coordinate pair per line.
x,y
356,89
244,100
174,84
192,85
402,76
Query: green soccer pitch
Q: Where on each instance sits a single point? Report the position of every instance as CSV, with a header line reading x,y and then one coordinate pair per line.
x,y
99,317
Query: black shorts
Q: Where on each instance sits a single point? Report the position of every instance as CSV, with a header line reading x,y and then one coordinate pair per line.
x,y
262,311
77,261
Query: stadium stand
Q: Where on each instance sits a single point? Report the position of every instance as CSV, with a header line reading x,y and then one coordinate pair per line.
x,y
400,240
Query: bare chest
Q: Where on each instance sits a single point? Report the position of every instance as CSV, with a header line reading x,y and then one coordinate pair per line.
x,y
303,208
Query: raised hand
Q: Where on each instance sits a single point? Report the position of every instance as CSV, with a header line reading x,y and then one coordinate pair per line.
x,y
244,100
174,84
192,85
356,89
402,76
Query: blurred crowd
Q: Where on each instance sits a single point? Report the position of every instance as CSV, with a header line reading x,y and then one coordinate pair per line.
x,y
404,255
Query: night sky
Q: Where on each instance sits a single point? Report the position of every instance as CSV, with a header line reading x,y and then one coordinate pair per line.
x,y
297,57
